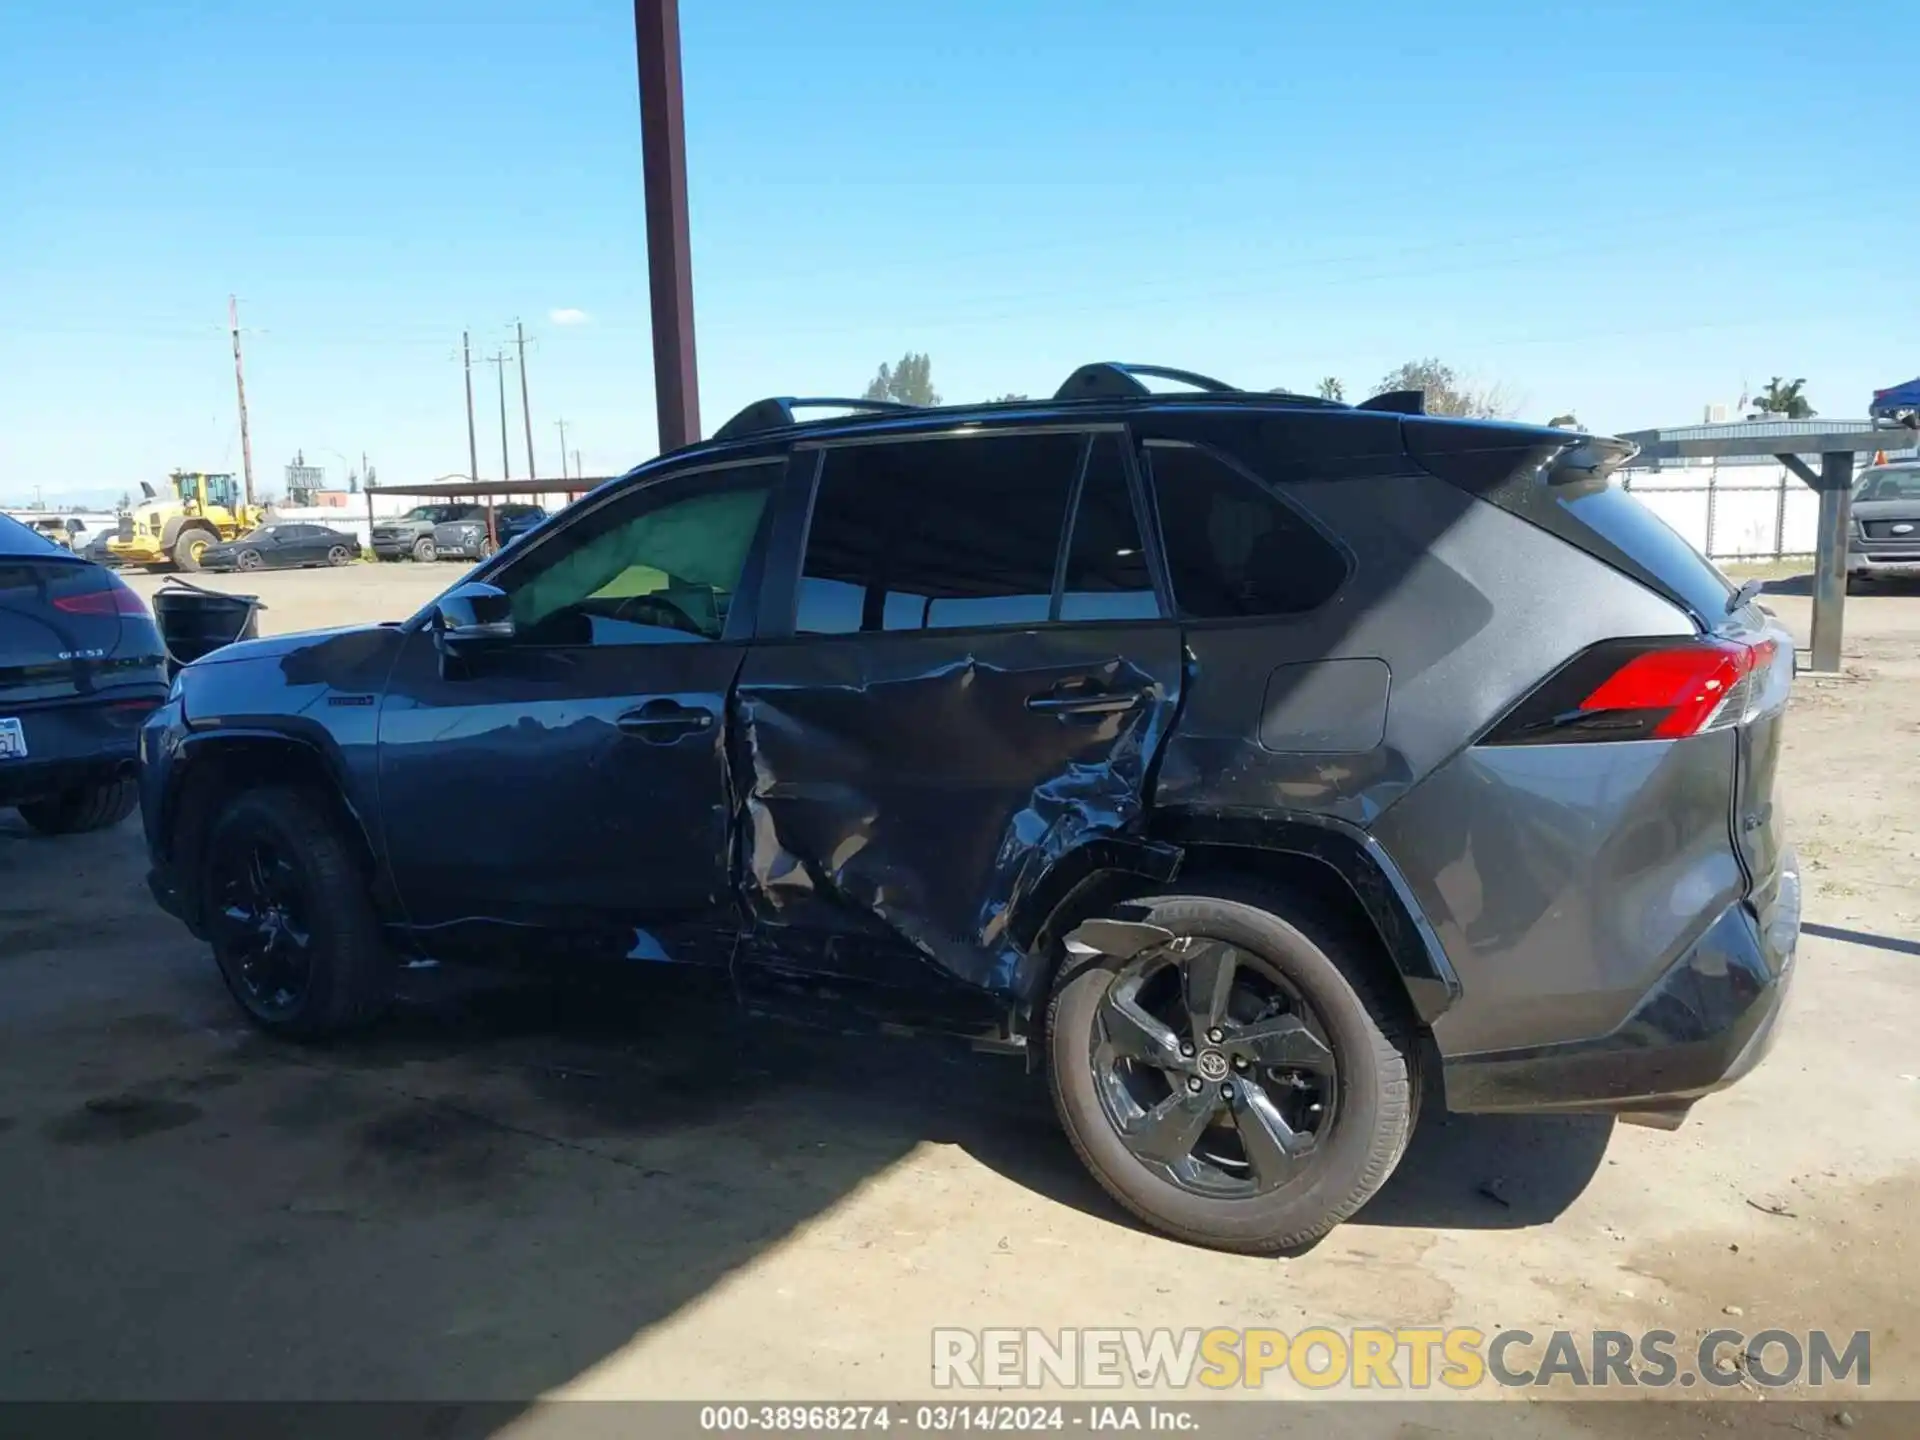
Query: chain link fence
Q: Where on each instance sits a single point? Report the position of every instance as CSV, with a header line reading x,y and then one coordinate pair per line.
x,y
1735,512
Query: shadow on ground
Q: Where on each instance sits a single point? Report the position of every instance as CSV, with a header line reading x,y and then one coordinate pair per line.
x,y
497,1188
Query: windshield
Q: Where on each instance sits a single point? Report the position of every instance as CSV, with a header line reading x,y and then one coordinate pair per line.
x,y
1901,484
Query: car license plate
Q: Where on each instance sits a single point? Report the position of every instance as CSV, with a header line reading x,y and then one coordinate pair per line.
x,y
13,739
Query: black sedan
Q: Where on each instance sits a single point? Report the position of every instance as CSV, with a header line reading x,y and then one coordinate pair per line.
x,y
81,665
282,546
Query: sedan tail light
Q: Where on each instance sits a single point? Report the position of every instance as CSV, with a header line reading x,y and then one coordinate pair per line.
x,y
114,598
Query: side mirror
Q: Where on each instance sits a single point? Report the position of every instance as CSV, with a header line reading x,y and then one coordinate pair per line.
x,y
473,616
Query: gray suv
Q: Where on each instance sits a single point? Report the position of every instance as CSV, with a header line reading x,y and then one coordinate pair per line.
x,y
1246,761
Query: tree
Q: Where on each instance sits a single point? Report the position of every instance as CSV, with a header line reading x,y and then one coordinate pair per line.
x,y
1008,398
1447,391
126,501
1332,389
1568,421
908,383
1785,397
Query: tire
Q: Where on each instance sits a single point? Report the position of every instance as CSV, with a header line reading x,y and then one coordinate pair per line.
x,y
187,547
1369,1105
339,555
486,550
423,550
247,560
345,973
86,807
1859,584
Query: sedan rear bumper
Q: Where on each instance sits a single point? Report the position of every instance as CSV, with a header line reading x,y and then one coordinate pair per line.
x,y
75,744
1705,1023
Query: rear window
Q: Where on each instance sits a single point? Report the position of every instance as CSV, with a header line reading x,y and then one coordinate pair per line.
x,y
1647,540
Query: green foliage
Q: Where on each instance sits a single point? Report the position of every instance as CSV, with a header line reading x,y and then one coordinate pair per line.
x,y
908,383
1331,388
1568,421
1786,398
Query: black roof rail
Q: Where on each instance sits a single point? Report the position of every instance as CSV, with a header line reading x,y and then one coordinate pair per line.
x,y
1110,380
1397,402
776,413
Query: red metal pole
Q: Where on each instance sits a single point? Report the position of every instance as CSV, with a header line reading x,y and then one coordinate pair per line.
x,y
663,156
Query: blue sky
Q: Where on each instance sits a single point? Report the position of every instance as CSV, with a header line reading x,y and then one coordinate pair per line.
x,y
1624,209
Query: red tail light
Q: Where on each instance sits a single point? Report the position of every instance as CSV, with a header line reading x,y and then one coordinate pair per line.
x,y
1644,690
115,599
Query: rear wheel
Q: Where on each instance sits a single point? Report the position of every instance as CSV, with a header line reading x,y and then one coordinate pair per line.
x,y
1248,1086
84,807
188,549
423,548
339,555
487,548
292,925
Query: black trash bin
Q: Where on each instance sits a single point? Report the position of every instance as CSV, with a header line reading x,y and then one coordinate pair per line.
x,y
195,622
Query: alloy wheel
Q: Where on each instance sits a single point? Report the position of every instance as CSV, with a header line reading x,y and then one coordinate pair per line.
x,y
263,933
1215,1072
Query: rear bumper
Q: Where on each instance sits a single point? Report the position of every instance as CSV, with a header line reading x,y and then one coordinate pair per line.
x,y
1705,1023
70,745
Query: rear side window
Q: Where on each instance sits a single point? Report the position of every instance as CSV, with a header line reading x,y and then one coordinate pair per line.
x,y
936,534
1233,548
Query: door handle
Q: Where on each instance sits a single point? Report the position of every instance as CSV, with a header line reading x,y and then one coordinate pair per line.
x,y
661,722
1084,702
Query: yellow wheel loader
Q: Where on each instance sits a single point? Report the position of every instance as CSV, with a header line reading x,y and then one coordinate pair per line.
x,y
169,532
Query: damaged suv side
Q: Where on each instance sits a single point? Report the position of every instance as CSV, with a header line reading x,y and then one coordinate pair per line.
x,y
1234,755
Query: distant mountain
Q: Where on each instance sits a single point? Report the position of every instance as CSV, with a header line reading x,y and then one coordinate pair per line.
x,y
84,499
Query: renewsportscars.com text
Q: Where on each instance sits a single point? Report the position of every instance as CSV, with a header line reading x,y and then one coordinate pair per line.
x,y
1410,1358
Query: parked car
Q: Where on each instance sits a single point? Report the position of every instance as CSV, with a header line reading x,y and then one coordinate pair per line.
x,y
100,550
282,545
1884,539
81,665
466,539
64,533
410,536
1225,752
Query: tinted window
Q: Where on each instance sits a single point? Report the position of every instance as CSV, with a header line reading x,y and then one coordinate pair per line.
x,y
1610,512
932,534
660,564
1233,547
1107,577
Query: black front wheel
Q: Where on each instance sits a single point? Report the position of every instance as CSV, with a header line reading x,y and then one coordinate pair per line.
x,y
1245,1086
287,910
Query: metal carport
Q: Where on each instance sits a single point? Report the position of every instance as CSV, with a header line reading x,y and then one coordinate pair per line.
x,y
1833,482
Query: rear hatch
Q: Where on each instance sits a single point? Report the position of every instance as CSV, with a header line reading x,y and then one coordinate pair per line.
x,y
62,624
1564,483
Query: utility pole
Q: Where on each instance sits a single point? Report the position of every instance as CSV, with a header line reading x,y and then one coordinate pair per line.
x,y
526,408
563,447
473,449
240,385
576,464
500,362
663,164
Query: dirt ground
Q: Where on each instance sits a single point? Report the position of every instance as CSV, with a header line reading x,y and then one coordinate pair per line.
x,y
505,1193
